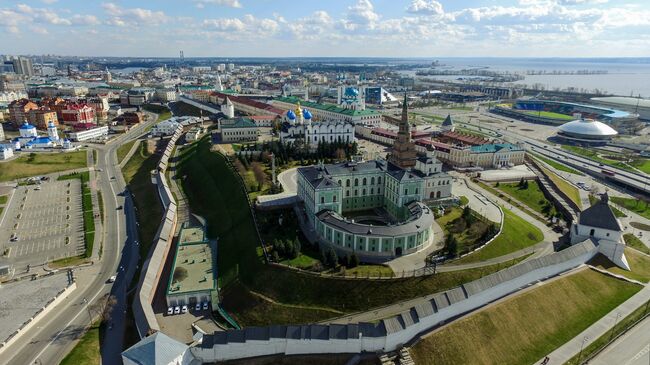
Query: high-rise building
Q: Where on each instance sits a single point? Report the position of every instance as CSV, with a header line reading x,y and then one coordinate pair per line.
x,y
23,66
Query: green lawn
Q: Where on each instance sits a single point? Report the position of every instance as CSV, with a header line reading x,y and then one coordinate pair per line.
x,y
467,236
641,226
592,154
137,174
642,164
33,164
214,191
634,242
564,186
638,206
3,199
551,315
517,234
86,352
556,165
124,149
639,265
532,196
370,270
548,114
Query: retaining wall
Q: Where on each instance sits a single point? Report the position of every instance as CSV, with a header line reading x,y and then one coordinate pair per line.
x,y
391,333
145,318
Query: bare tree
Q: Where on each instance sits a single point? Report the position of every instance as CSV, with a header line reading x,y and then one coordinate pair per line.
x,y
258,171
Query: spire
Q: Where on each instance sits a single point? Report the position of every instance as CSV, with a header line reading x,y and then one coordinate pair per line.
x,y
405,126
405,115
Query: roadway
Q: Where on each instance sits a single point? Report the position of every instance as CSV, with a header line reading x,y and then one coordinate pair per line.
x,y
633,348
55,336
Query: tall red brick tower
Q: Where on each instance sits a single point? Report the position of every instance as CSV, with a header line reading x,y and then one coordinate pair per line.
x,y
403,153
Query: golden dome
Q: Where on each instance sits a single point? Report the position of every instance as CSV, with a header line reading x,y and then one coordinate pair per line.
x,y
298,111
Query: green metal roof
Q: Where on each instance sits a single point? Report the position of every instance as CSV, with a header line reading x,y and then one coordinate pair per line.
x,y
238,123
326,107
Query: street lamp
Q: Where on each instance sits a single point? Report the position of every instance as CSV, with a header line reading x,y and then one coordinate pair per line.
x,y
611,334
585,339
88,308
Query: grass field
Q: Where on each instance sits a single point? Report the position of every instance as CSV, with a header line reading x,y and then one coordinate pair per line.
x,y
124,149
548,114
34,164
532,196
516,234
466,235
638,206
87,350
639,265
634,242
137,175
3,199
214,192
642,164
87,209
567,188
556,165
553,314
592,154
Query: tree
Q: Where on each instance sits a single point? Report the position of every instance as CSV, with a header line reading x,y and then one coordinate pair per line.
x,y
339,154
329,257
521,183
259,174
354,260
451,245
497,184
525,184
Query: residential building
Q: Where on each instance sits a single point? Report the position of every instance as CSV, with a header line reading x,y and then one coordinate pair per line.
x,y
19,111
77,113
166,95
23,66
9,96
238,130
42,117
6,152
130,118
97,133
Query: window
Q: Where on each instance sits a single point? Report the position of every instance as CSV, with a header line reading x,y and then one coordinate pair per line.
x,y
372,191
406,191
356,182
347,193
416,190
334,199
591,233
322,199
379,180
365,181
372,180
347,183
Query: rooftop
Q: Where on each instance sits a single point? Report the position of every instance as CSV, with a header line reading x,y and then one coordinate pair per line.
x,y
325,107
494,147
238,123
193,269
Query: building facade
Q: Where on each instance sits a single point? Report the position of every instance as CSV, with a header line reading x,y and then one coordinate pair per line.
x,y
41,118
19,111
89,134
329,111
238,130
299,127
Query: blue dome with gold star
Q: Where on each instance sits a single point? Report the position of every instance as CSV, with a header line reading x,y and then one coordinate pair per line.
x,y
306,113
291,115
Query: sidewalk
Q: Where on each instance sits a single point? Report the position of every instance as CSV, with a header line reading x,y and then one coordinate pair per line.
x,y
602,326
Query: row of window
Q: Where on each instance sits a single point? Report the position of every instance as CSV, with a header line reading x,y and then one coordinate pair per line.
x,y
364,181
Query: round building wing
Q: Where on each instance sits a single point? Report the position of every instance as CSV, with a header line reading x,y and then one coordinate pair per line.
x,y
586,129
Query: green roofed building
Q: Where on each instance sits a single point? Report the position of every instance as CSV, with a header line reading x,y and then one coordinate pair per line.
x,y
238,130
323,111
193,271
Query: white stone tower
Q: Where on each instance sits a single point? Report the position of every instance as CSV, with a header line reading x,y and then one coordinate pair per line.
x,y
52,132
228,108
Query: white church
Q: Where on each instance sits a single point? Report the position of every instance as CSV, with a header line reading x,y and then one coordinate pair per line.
x,y
599,224
298,125
29,138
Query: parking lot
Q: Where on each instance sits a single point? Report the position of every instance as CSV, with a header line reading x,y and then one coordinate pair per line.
x,y
43,223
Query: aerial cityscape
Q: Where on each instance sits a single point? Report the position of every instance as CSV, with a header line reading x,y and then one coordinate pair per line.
x,y
346,182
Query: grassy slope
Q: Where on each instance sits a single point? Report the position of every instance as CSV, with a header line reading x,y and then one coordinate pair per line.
x,y
531,196
593,155
41,163
3,199
137,174
553,314
123,150
86,352
639,265
517,234
215,193
638,206
558,166
571,191
634,242
642,164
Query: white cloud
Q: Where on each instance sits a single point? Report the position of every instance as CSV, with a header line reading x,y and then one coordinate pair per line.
x,y
230,3
425,7
133,16
49,2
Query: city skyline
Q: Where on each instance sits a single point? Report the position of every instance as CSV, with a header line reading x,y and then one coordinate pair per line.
x,y
241,28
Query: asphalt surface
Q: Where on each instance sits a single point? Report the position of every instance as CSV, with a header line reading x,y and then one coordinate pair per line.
x,y
633,348
54,337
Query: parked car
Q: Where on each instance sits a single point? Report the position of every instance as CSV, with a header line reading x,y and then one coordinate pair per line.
x,y
177,310
205,305
197,307
170,311
112,279
184,309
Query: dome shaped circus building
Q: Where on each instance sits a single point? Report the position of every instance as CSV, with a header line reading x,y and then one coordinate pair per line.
x,y
586,131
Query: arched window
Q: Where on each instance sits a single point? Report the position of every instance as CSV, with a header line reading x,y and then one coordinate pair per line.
x,y
365,181
379,180
372,180
340,183
356,182
347,183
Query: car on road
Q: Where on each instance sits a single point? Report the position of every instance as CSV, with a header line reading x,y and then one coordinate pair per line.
x,y
170,311
184,309
13,238
37,188
197,307
177,310
119,208
205,305
112,279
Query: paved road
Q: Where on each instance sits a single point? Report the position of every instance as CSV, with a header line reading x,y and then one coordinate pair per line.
x,y
633,348
55,336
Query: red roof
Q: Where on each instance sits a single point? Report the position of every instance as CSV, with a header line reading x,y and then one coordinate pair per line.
x,y
464,138
251,103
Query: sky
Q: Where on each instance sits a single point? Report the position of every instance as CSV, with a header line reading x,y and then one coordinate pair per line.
x,y
320,28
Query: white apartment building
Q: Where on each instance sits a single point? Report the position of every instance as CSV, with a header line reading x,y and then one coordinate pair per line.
x,y
90,134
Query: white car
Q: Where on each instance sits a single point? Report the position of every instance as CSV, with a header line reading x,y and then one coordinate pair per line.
x,y
177,310
205,305
112,279
184,309
197,307
170,311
